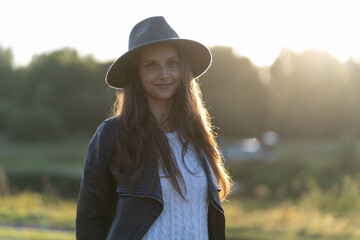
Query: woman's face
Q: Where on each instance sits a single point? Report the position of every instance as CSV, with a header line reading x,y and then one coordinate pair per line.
x,y
159,72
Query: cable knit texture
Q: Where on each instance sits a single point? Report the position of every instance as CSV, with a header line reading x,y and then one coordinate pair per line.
x,y
180,219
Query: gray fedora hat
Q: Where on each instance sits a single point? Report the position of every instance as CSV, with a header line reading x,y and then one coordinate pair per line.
x,y
156,30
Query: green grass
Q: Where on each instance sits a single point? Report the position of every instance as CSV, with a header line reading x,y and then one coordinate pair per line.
x,y
68,154
286,221
36,210
33,216
30,215
60,157
15,233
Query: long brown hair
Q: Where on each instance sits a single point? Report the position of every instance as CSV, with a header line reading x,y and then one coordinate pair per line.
x,y
140,139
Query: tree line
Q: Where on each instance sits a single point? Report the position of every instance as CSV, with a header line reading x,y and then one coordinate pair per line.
x,y
301,95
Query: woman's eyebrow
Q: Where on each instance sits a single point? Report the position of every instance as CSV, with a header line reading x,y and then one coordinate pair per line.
x,y
147,61
154,60
174,57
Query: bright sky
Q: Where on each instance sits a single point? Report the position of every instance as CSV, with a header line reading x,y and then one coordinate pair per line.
x,y
256,29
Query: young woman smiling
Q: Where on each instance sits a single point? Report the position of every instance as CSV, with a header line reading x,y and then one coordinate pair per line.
x,y
154,170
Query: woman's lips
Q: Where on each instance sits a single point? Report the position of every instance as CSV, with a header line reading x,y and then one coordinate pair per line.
x,y
163,85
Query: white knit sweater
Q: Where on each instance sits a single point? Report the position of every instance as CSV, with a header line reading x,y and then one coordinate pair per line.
x,y
180,219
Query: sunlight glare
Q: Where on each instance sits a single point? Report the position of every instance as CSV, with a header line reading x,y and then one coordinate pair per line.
x,y
255,29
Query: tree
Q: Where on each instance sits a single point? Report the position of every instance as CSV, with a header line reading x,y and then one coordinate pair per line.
x,y
69,85
310,95
234,94
6,84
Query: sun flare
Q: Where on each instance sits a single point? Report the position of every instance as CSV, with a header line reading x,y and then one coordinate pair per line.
x,y
255,29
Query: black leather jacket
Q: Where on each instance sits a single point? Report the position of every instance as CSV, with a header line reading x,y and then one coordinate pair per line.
x,y
107,210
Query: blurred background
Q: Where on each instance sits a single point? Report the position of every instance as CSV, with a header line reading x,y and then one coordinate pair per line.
x,y
283,91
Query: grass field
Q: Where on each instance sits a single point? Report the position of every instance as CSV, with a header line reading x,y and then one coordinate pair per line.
x,y
34,216
287,221
28,233
31,215
65,156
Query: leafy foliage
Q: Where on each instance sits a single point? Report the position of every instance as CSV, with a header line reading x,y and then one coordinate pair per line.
x,y
35,123
234,94
308,94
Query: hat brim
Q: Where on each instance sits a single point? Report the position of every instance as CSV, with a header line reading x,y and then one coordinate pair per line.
x,y
198,56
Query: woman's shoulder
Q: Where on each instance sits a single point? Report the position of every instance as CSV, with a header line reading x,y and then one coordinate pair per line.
x,y
111,122
108,128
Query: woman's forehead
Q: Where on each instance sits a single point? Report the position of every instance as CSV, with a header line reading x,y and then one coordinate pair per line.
x,y
158,50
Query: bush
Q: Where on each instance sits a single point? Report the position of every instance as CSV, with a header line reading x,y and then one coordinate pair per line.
x,y
341,199
35,124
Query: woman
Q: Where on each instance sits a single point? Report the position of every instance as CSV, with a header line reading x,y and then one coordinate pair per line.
x,y
154,171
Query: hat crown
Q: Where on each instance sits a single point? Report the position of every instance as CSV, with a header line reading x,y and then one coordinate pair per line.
x,y
150,30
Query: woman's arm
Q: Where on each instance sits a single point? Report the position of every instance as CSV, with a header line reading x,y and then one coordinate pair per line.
x,y
96,200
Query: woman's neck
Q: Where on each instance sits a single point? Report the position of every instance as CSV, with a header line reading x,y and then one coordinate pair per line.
x,y
161,112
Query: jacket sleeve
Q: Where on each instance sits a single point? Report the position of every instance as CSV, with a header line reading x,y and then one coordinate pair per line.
x,y
97,195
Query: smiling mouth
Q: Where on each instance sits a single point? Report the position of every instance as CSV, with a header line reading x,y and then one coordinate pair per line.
x,y
163,85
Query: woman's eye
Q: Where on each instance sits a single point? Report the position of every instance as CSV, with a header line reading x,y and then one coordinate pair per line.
x,y
150,65
173,63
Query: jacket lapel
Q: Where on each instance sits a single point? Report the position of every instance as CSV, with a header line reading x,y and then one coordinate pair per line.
x,y
142,186
213,186
144,182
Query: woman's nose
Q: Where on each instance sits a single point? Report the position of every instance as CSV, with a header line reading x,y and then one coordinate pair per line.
x,y
164,72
